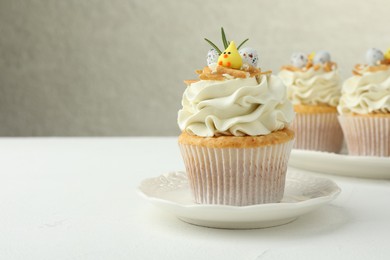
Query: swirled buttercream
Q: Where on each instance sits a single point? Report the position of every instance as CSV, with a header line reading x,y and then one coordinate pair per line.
x,y
235,107
366,93
312,87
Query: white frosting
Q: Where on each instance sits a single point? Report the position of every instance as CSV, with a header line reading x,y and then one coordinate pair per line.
x,y
366,94
235,107
312,87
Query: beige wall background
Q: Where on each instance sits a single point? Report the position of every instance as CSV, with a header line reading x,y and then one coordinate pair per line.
x,y
116,68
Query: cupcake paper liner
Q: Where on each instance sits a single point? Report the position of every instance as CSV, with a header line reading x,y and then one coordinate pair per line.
x,y
319,132
237,176
366,136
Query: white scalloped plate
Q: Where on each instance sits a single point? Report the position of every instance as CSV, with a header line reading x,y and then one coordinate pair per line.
x,y
303,193
341,164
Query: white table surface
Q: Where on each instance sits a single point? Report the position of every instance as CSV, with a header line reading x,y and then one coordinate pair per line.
x,y
76,198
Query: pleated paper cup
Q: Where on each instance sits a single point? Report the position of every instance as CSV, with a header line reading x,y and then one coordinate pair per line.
x,y
237,176
366,135
318,132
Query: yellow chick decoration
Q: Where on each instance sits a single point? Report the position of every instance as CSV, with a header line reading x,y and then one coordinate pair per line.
x,y
387,54
311,56
230,58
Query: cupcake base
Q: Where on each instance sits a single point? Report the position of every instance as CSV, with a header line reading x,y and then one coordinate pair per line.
x,y
237,171
317,128
367,135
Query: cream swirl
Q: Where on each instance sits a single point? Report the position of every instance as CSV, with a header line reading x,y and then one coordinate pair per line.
x,y
235,107
312,87
368,93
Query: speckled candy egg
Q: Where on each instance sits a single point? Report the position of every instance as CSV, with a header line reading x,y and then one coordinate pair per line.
x,y
299,59
321,57
374,56
249,56
212,57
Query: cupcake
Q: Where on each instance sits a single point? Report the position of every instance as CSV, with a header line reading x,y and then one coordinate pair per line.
x,y
365,106
235,139
314,87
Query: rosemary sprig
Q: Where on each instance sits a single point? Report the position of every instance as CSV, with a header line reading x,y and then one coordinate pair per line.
x,y
214,46
239,46
224,41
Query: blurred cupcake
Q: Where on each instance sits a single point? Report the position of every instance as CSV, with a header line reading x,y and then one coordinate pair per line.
x,y
314,87
235,140
365,106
